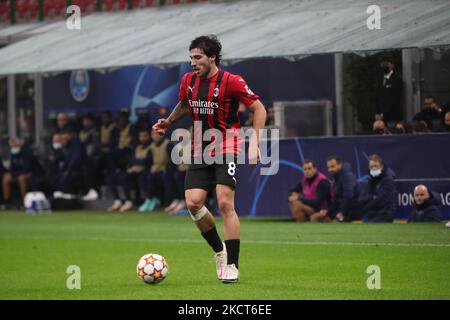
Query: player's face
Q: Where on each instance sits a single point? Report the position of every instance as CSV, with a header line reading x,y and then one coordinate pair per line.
x,y
420,195
309,170
201,63
333,167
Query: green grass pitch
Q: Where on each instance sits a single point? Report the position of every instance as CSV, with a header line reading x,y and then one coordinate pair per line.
x,y
279,259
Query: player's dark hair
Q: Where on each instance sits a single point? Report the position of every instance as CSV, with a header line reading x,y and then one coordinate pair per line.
x,y
306,161
335,157
210,45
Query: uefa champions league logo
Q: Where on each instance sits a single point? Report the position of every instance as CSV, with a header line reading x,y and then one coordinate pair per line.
x,y
79,85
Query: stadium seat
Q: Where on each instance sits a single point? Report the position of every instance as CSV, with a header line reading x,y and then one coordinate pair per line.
x,y
123,4
34,9
49,9
60,8
4,12
88,6
108,5
21,10
138,4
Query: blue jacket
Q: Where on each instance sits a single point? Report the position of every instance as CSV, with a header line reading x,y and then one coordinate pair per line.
x,y
25,163
346,193
380,202
428,211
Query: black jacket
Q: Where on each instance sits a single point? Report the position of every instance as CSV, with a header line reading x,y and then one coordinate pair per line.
x,y
346,192
428,211
380,201
389,97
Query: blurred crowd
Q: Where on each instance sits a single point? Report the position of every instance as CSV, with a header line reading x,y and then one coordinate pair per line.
x,y
433,117
81,157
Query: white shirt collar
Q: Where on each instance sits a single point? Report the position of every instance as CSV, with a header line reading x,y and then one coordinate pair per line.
x,y
387,76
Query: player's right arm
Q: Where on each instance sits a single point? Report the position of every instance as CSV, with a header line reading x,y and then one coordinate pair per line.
x,y
163,124
180,110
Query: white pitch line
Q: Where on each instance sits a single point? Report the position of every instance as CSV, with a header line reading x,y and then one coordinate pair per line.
x,y
300,243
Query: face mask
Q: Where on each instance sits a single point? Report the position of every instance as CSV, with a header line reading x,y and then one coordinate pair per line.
x,y
375,173
378,131
385,69
15,150
398,131
57,146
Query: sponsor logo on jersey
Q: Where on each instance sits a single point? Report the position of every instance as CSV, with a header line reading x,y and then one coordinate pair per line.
x,y
203,104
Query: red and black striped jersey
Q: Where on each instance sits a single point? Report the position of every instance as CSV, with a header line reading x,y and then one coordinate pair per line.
x,y
215,102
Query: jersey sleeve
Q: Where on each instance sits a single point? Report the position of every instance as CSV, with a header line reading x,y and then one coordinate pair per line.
x,y
239,90
182,94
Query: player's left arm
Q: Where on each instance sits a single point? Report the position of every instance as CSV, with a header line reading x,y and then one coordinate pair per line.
x,y
259,116
247,97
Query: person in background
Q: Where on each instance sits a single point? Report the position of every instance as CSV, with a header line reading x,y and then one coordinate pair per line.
x,y
379,203
90,139
25,171
161,149
389,93
430,113
312,195
109,139
63,123
402,127
379,127
421,127
426,206
68,181
128,139
133,175
174,177
447,122
346,190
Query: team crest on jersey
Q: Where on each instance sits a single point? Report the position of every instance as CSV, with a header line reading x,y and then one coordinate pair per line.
x,y
216,92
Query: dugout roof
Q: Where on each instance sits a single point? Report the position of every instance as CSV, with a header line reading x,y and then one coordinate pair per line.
x,y
247,29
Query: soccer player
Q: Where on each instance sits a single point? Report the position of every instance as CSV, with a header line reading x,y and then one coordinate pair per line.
x,y
212,96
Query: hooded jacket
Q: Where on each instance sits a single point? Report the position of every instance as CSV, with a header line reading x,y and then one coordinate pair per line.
x,y
428,211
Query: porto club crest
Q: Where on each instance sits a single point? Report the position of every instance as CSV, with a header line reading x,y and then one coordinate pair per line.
x,y
79,85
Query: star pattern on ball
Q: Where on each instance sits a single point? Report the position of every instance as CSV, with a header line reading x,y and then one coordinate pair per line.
x,y
152,268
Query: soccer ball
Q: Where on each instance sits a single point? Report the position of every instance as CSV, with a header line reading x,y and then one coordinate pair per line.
x,y
152,268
